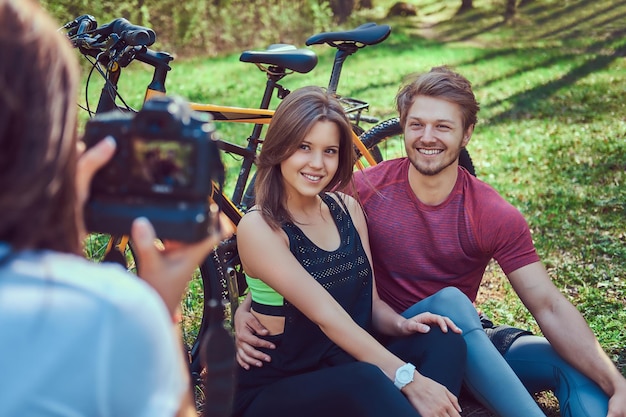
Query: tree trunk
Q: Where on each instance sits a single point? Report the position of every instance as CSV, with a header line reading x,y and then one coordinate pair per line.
x,y
466,6
511,9
365,4
342,9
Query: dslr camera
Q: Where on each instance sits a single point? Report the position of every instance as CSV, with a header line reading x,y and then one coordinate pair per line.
x,y
165,167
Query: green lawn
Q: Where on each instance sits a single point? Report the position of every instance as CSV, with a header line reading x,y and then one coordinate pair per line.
x,y
551,132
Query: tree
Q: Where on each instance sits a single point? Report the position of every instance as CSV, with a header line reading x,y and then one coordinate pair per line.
x,y
342,9
510,10
466,5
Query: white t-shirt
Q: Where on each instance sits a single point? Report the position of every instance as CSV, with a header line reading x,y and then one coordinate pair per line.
x,y
82,339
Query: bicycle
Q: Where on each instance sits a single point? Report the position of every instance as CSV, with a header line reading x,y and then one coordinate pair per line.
x,y
117,44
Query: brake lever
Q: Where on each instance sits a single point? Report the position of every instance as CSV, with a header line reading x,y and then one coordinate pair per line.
x,y
128,54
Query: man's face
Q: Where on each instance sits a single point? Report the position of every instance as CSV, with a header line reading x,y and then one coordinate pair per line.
x,y
434,135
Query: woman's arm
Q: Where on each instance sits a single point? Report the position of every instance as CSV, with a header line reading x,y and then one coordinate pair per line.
x,y
265,255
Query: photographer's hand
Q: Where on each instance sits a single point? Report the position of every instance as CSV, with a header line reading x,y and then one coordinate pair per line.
x,y
89,162
169,270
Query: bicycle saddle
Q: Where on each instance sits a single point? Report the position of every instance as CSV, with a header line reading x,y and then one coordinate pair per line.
x,y
284,56
366,34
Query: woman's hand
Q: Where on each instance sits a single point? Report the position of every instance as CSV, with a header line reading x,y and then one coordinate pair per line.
x,y
89,162
430,398
421,324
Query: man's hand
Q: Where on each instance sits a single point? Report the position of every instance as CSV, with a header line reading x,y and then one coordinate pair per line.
x,y
421,324
246,328
431,399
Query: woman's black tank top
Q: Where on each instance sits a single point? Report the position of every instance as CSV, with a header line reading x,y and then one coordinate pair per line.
x,y
346,274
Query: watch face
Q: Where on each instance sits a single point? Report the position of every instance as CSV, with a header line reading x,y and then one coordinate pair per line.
x,y
405,375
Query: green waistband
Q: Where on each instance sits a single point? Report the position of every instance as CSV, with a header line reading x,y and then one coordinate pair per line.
x,y
263,293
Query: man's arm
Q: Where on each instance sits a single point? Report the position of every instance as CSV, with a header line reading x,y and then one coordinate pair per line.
x,y
559,320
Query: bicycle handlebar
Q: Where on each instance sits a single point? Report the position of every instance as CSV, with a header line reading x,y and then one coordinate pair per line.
x,y
85,26
133,35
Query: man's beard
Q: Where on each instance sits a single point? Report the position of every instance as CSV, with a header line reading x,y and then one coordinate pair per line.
x,y
431,170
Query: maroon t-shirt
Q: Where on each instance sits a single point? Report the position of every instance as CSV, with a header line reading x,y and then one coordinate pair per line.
x,y
419,249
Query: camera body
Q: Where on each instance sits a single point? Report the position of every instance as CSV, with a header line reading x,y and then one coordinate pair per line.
x,y
164,168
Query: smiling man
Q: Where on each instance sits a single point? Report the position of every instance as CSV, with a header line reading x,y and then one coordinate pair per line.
x,y
432,226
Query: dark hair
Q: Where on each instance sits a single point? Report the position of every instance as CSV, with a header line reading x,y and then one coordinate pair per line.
x,y
38,84
440,82
292,121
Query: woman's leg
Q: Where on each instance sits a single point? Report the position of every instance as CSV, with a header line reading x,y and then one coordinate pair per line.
x,y
437,355
355,389
540,368
488,376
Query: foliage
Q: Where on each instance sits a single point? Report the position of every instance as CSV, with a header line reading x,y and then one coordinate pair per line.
x,y
208,28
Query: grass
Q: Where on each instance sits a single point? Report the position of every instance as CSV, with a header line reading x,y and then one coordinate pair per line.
x,y
551,133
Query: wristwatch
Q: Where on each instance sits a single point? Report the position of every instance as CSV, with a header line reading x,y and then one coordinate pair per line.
x,y
404,375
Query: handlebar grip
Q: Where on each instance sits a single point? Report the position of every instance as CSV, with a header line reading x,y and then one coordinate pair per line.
x,y
81,25
86,25
133,35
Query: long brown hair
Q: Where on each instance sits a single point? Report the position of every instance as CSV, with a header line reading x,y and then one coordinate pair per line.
x,y
294,118
38,84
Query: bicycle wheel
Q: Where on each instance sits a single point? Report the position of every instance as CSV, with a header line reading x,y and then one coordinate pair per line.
x,y
379,135
212,280
221,278
374,150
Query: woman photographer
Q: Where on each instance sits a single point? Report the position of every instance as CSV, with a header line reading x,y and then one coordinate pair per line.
x,y
77,338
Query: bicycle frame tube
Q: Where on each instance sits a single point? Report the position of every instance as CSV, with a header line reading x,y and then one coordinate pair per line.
x,y
235,114
106,102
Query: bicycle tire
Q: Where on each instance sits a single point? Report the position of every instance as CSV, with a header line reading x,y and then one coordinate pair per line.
x,y
223,280
374,150
379,134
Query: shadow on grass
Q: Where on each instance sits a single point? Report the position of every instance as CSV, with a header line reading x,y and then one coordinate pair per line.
x,y
525,104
